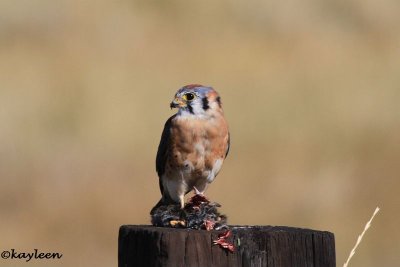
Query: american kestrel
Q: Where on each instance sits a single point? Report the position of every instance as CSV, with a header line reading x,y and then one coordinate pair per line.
x,y
194,144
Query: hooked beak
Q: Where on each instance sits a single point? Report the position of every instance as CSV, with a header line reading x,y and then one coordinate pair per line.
x,y
177,103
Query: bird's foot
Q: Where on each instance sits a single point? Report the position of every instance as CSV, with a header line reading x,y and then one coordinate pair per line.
x,y
177,223
181,222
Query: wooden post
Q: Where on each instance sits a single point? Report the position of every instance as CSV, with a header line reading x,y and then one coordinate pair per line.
x,y
269,246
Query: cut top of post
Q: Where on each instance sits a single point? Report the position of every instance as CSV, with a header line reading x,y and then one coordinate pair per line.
x,y
141,245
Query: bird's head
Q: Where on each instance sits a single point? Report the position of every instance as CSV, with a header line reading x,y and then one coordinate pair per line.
x,y
197,99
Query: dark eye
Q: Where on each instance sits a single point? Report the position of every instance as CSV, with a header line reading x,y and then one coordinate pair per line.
x,y
189,96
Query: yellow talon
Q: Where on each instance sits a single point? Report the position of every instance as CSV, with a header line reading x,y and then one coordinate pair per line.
x,y
174,223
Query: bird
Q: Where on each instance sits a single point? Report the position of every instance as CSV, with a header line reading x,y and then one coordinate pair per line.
x,y
193,146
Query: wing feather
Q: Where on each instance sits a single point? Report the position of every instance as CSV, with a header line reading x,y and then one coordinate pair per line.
x,y
163,148
229,145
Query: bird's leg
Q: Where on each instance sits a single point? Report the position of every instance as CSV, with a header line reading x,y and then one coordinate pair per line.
x,y
182,190
181,222
197,192
182,213
182,201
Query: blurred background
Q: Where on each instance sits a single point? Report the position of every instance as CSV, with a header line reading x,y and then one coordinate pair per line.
x,y
311,90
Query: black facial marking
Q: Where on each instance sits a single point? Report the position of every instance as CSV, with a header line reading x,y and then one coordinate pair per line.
x,y
205,103
219,101
190,108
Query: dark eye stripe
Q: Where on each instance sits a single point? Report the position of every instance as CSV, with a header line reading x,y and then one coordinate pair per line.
x,y
205,103
190,108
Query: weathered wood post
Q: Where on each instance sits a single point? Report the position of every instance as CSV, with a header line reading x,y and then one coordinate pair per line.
x,y
269,246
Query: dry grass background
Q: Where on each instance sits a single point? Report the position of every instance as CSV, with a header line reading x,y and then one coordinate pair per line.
x,y
311,90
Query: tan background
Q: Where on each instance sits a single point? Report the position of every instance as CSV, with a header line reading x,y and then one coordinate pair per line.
x,y
311,90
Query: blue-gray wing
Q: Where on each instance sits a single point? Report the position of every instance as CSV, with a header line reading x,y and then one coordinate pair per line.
x,y
163,149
